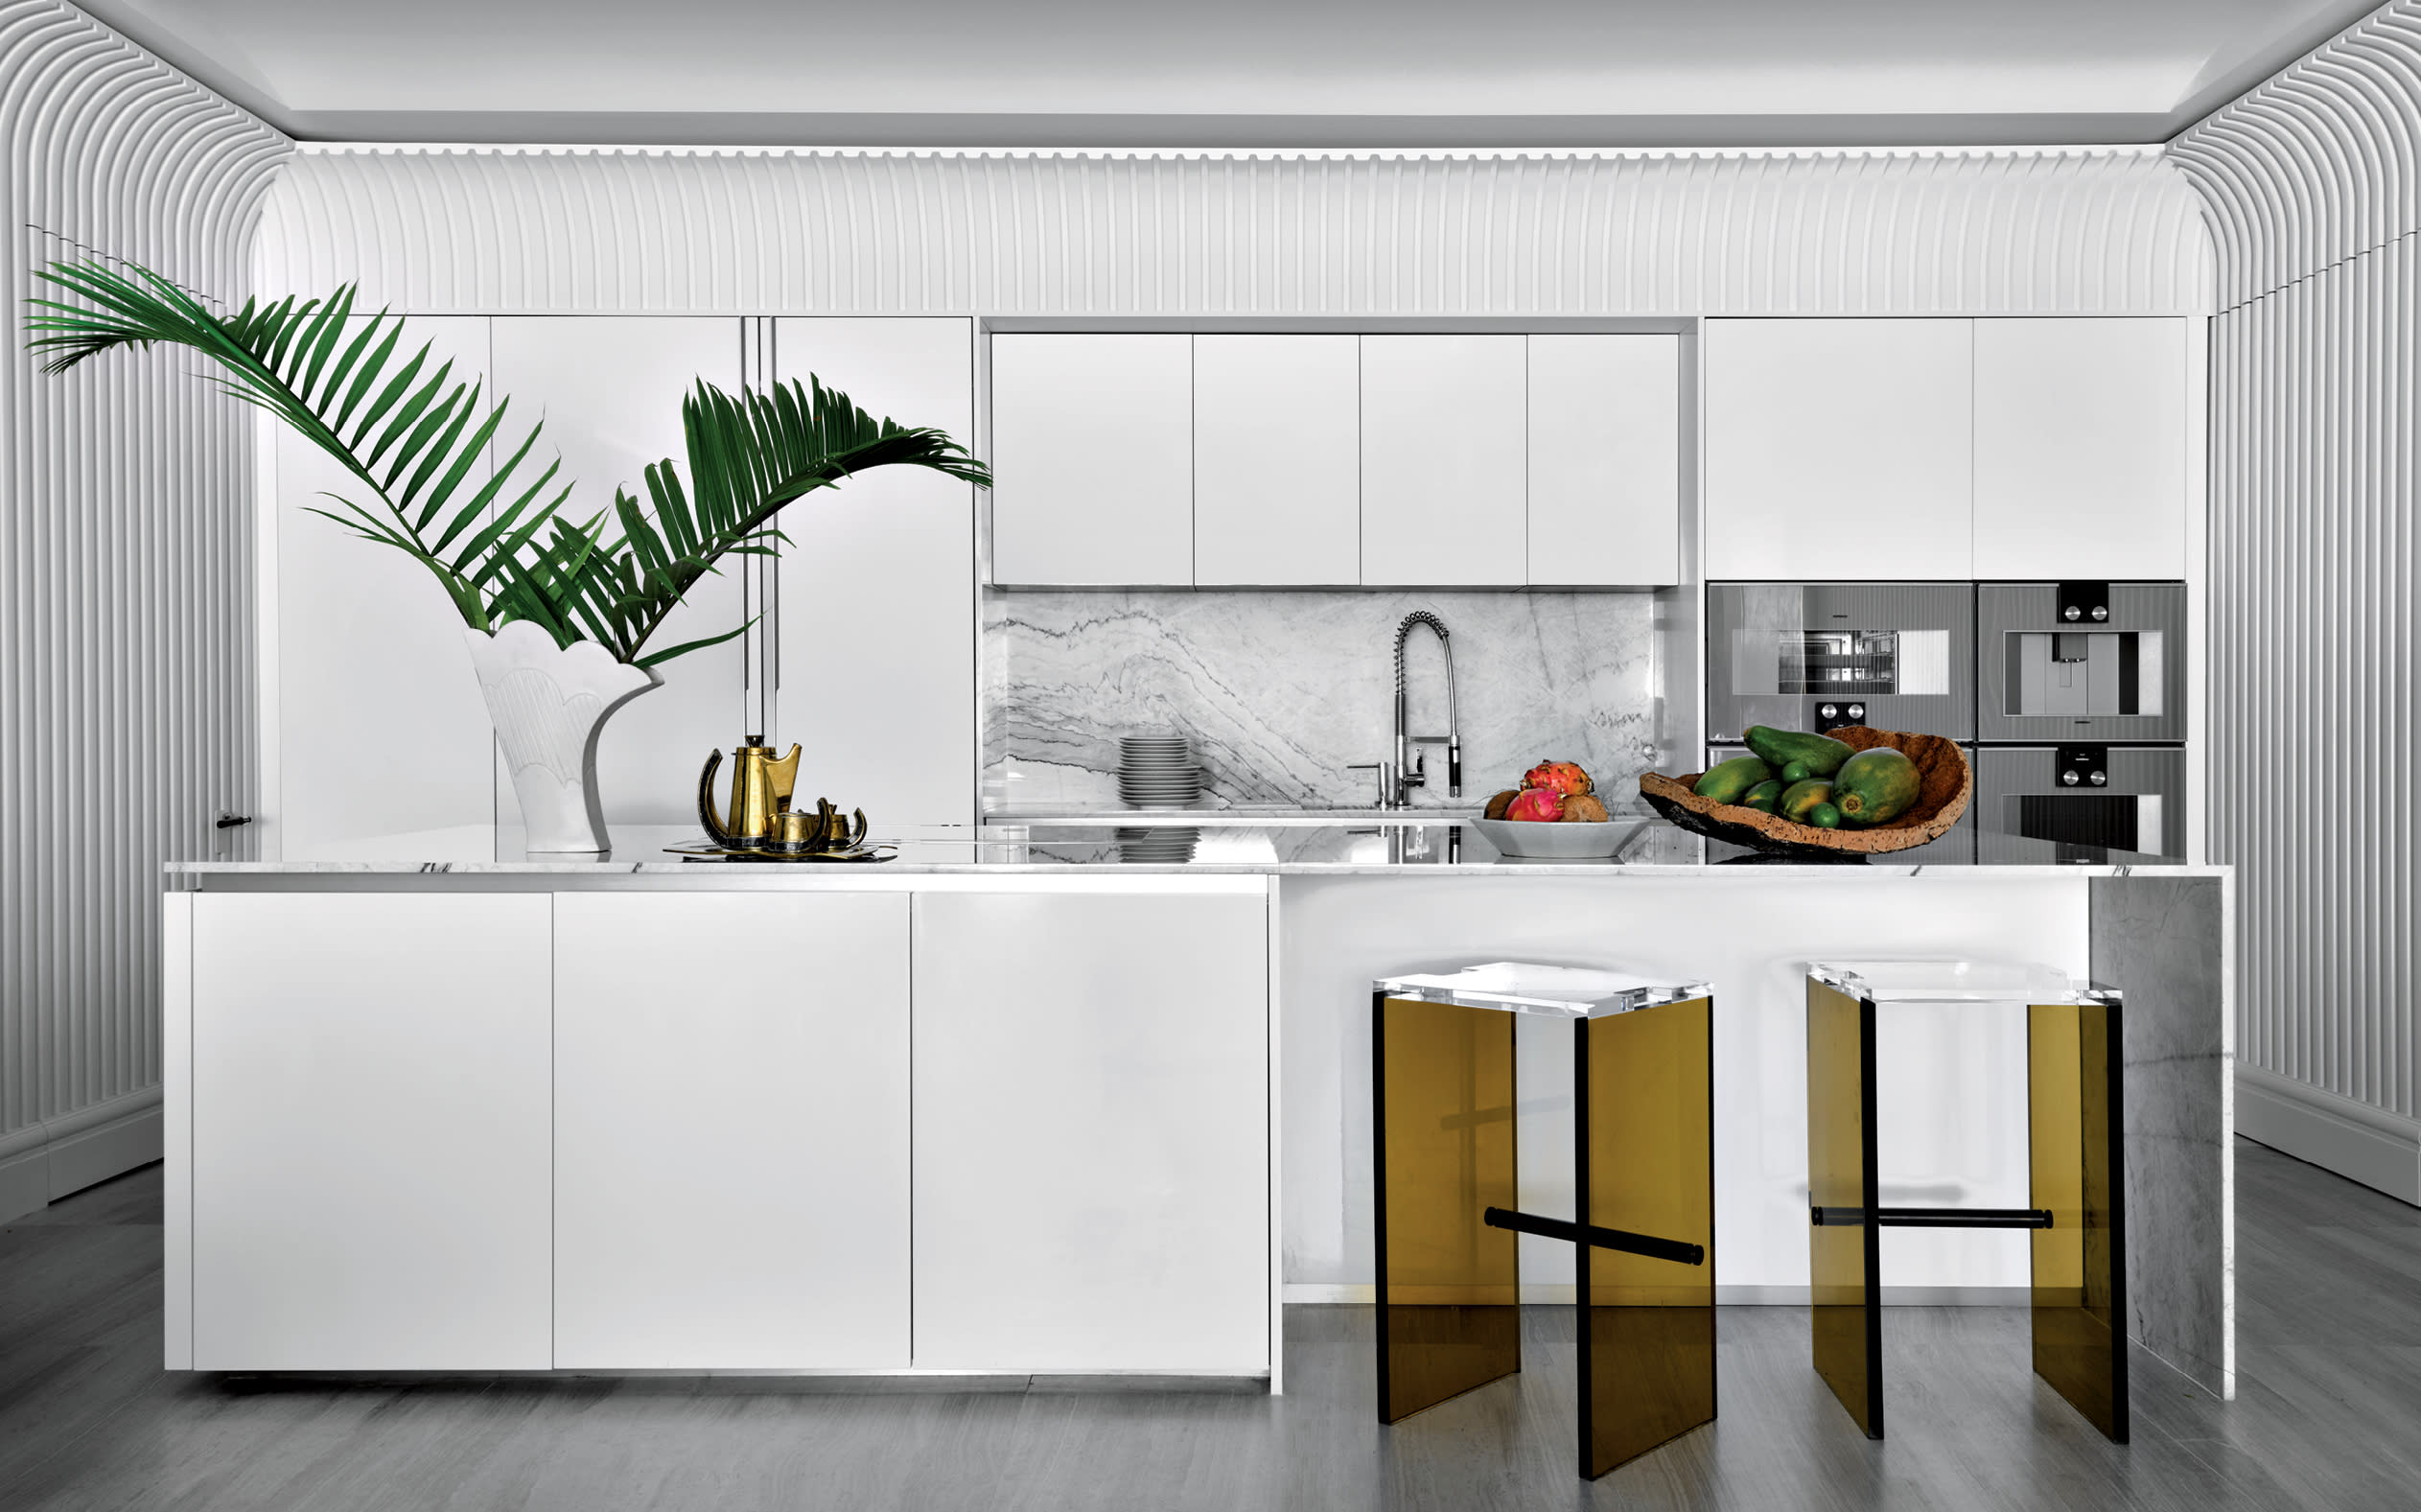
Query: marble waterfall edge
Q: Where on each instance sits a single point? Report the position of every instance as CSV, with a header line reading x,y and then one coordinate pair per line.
x,y
1281,690
549,704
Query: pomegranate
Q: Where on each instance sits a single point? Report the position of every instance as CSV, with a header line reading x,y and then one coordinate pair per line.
x,y
1543,805
1561,777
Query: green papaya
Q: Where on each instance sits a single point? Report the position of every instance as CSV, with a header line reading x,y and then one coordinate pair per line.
x,y
1780,748
1874,787
1824,816
1800,797
1796,772
1762,796
1729,781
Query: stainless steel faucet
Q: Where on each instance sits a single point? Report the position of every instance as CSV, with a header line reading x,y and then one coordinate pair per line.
x,y
1410,767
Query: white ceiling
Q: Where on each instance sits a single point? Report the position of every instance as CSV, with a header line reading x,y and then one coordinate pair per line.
x,y
1233,73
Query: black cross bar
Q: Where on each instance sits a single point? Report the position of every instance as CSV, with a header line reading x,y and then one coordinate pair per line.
x,y
1932,1217
1624,1240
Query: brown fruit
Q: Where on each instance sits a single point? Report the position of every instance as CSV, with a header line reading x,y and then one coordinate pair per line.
x,y
1583,809
1497,804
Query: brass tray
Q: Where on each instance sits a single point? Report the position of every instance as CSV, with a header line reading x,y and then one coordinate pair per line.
x,y
1942,771
708,850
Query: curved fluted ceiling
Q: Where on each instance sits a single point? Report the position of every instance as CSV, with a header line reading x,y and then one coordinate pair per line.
x,y
1239,73
125,705
468,230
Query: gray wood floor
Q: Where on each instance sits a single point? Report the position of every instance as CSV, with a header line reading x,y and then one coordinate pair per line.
x,y
2328,1414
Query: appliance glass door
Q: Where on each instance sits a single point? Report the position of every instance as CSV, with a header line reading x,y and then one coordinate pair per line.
x,y
2080,661
1817,656
2123,797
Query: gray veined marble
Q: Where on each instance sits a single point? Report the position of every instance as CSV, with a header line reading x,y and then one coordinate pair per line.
x,y
1281,691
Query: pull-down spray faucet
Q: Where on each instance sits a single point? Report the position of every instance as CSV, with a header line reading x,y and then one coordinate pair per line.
x,y
1409,769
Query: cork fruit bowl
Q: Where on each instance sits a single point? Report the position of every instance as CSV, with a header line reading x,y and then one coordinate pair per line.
x,y
1944,783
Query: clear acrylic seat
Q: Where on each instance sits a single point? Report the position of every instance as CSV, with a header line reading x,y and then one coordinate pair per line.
x,y
1953,981
1517,986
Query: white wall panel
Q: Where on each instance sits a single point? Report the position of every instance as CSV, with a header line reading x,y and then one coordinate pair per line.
x,y
2315,195
126,565
2079,232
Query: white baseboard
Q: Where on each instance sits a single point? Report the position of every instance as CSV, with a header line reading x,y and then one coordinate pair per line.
x,y
1311,1293
2361,1142
43,1162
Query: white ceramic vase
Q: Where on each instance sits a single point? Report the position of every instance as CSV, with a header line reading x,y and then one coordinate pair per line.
x,y
548,702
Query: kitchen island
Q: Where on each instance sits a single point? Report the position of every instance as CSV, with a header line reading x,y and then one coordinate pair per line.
x,y
1031,1104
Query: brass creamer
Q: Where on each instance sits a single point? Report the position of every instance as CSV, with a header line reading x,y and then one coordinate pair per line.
x,y
761,792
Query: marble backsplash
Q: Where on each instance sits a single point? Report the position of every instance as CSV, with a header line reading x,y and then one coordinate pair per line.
x,y
1280,690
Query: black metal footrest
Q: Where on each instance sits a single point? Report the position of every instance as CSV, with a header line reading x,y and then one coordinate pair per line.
x,y
1932,1217
1621,1238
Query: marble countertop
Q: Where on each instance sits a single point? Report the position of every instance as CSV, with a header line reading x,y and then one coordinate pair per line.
x,y
1655,849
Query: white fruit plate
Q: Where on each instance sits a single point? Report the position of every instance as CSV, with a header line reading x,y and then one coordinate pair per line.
x,y
1535,839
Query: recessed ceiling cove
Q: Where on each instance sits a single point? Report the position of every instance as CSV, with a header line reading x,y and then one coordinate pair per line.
x,y
1234,73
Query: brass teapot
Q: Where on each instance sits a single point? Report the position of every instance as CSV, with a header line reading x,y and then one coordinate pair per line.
x,y
760,794
798,833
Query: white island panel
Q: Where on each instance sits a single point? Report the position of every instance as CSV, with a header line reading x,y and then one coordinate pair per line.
x,y
370,1131
1093,1131
730,1130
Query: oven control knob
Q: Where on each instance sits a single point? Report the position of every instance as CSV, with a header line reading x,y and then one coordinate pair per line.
x,y
1827,711
1857,711
2098,778
2068,778
2100,612
2072,612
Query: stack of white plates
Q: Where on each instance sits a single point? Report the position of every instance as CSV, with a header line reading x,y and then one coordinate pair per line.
x,y
1158,844
1157,772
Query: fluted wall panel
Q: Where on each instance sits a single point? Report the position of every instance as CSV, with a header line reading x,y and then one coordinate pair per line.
x,y
126,580
2313,638
1012,234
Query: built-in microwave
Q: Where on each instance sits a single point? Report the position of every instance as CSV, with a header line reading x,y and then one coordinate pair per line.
x,y
2083,662
2123,797
1818,656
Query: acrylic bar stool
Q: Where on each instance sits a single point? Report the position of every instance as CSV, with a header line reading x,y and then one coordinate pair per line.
x,y
2076,1173
1450,1315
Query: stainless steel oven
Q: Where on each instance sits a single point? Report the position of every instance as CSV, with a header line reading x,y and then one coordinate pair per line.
x,y
2127,798
1817,656
2088,661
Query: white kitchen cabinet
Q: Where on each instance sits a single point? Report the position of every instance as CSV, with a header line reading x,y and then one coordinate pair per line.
x,y
1092,1130
378,741
874,615
2081,436
1093,459
1443,445
731,1166
1605,461
371,1132
610,388
1839,449
1277,460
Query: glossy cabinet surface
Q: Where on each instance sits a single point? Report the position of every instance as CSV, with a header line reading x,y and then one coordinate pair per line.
x,y
1605,461
1092,1115
1277,460
874,664
371,1139
2082,442
731,1146
1839,449
1443,445
1092,454
611,387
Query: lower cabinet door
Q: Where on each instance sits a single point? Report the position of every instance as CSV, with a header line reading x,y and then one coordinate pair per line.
x,y
1093,1131
370,1131
730,1130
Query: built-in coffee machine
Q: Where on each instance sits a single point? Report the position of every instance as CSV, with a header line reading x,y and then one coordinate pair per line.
x,y
2069,696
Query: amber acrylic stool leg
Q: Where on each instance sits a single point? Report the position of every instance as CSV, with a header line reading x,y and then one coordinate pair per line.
x,y
1450,1315
1845,1259
2076,1111
1642,1097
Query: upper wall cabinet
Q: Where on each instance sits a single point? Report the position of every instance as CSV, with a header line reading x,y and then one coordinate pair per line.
x,y
1093,457
1839,448
1605,461
875,613
1277,460
2082,442
1443,467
